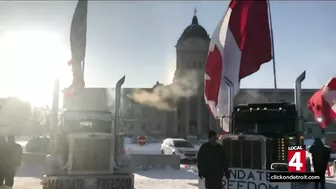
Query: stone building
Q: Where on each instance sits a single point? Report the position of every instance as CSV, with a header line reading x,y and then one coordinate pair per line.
x,y
190,116
191,54
141,119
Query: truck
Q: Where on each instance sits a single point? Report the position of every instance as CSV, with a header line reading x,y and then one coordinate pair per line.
x,y
87,145
259,137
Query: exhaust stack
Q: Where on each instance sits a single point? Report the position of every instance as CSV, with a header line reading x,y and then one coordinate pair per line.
x,y
119,140
54,115
297,100
117,103
230,103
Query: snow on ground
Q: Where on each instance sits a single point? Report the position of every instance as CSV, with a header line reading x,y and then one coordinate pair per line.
x,y
186,178
177,179
28,177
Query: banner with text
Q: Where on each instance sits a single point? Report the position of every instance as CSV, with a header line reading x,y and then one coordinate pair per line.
x,y
249,179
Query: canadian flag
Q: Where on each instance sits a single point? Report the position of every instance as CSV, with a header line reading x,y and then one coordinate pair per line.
x,y
240,44
78,32
323,104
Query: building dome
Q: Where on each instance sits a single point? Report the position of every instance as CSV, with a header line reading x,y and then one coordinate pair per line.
x,y
194,30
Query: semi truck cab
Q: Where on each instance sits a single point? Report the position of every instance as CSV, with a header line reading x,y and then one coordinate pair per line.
x,y
274,124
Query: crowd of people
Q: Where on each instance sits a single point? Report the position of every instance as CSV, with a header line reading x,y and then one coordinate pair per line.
x,y
10,161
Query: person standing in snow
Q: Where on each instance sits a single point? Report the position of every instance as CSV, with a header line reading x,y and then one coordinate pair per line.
x,y
3,160
321,156
212,163
14,161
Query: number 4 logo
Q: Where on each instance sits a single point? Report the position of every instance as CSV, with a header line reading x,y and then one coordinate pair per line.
x,y
297,161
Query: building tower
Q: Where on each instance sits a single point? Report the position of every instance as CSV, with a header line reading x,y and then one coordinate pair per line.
x,y
191,54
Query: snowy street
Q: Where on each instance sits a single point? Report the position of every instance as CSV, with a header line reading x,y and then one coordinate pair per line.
x,y
152,179
28,177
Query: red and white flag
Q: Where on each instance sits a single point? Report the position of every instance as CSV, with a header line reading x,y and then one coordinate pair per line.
x,y
78,32
323,104
240,44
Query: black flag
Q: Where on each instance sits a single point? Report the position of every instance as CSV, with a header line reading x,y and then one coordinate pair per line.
x,y
78,45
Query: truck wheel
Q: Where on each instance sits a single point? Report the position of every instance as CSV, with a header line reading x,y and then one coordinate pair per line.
x,y
162,152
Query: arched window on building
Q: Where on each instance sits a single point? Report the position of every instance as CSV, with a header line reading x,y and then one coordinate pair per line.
x,y
193,127
158,128
130,113
194,65
143,126
138,114
179,129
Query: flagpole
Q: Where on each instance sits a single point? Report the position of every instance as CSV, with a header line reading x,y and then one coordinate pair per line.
x,y
275,94
83,67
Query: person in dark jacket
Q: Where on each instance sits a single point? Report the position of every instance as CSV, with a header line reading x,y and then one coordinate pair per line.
x,y
212,163
14,155
3,159
321,156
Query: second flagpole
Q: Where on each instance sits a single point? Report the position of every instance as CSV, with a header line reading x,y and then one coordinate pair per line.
x,y
275,94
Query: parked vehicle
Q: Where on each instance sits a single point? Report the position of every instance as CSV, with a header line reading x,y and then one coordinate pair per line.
x,y
39,144
181,147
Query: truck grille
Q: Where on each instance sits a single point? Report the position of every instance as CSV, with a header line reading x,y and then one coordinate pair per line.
x,y
273,152
91,154
243,153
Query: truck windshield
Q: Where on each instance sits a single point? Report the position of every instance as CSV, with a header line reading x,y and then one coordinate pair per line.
x,y
264,123
182,144
263,128
87,121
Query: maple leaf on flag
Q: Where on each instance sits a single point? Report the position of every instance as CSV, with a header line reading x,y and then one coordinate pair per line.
x,y
323,104
213,74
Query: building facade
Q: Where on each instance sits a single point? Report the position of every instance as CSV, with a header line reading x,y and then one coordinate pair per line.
x,y
190,115
191,54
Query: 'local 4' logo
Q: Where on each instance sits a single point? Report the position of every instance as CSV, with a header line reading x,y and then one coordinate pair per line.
x,y
296,159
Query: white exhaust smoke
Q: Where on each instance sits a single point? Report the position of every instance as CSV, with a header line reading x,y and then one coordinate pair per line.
x,y
251,96
164,97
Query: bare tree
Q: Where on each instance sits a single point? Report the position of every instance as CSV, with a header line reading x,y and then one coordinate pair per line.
x,y
15,115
